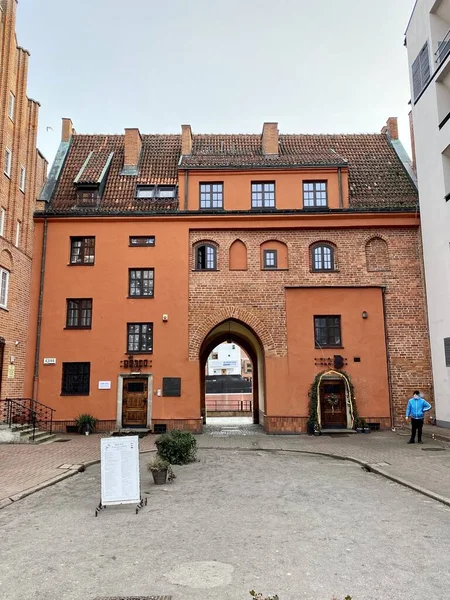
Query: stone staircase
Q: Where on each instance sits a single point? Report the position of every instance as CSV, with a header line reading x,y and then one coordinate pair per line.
x,y
23,434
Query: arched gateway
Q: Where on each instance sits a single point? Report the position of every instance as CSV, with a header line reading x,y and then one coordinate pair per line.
x,y
233,330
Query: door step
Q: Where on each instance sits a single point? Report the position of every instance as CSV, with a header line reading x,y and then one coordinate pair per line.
x,y
337,430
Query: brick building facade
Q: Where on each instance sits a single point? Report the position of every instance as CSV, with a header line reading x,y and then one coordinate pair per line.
x,y
304,250
22,175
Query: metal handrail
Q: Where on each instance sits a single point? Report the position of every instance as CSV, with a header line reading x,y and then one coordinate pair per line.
x,y
229,405
443,49
26,411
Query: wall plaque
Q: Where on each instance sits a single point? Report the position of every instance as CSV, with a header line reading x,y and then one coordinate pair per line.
x,y
171,386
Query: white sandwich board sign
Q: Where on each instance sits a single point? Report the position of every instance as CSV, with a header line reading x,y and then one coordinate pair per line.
x,y
120,470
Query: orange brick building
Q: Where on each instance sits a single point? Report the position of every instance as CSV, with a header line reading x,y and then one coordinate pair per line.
x,y
303,249
22,176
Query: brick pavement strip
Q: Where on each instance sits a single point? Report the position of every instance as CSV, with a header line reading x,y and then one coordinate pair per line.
x,y
25,469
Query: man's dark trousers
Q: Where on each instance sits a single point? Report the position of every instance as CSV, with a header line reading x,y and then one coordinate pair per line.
x,y
416,425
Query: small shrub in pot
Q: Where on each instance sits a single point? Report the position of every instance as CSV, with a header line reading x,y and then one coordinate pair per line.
x,y
177,447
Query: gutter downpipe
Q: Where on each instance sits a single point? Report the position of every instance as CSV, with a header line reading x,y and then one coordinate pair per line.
x,y
39,319
341,199
388,357
186,189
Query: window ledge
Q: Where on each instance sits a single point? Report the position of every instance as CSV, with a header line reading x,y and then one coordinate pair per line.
x,y
7,175
4,308
329,347
205,270
140,297
140,352
324,271
76,327
80,264
276,269
62,394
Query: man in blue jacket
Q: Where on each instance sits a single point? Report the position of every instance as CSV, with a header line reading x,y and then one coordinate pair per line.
x,y
416,408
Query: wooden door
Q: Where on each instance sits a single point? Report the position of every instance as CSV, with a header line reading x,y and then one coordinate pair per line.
x,y
333,405
134,405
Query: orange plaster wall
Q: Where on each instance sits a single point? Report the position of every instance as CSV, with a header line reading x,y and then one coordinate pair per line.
x,y
288,187
104,346
364,338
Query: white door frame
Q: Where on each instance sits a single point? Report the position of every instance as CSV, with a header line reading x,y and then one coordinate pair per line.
x,y
120,379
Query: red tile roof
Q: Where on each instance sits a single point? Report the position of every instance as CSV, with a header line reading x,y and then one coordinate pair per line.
x,y
377,178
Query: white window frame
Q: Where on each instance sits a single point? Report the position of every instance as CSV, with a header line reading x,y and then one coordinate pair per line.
x,y
8,162
4,275
2,221
18,232
11,106
23,177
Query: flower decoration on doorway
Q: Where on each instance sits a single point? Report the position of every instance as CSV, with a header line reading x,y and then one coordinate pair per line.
x,y
333,400
315,399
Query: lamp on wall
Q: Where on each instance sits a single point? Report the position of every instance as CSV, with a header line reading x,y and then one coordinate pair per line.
x,y
364,314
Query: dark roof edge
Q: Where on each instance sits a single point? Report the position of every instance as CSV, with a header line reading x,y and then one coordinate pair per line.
x,y
241,213
53,177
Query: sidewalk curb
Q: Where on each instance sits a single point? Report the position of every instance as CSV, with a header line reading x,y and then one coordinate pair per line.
x,y
4,502
367,466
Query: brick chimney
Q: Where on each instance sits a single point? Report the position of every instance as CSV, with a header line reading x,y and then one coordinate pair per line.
x,y
133,145
413,141
67,130
186,139
270,139
391,128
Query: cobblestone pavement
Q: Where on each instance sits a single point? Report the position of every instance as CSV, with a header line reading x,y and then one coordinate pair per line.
x,y
23,467
299,525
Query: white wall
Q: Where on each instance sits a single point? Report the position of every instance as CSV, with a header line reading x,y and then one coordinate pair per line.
x,y
228,358
428,112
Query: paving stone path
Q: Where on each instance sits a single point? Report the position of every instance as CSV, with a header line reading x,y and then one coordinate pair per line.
x,y
23,468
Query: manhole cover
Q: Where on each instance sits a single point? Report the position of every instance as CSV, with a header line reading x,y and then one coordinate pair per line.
x,y
433,449
134,598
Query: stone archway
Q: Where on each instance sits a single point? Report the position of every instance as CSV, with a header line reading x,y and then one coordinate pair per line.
x,y
245,337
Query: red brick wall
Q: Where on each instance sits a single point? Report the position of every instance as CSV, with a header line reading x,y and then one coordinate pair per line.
x,y
19,136
258,297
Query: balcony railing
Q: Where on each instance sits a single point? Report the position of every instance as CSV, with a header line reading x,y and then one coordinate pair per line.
x,y
443,49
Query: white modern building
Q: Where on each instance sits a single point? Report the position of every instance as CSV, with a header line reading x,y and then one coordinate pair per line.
x,y
428,45
225,359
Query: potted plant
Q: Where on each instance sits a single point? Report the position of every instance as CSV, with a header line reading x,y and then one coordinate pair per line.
x,y
86,423
313,427
361,426
161,470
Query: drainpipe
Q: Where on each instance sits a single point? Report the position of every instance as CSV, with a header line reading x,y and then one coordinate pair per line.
x,y
186,189
388,357
39,319
341,197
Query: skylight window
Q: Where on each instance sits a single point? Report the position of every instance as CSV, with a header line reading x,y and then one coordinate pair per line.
x,y
146,192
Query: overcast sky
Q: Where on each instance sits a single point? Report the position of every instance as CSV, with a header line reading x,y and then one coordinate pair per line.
x,y
314,66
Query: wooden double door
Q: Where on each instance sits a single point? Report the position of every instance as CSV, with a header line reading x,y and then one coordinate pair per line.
x,y
333,405
134,402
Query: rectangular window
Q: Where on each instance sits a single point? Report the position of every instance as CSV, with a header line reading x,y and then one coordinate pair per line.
x,y
79,313
88,196
140,283
76,378
140,337
211,195
11,106
18,230
327,331
147,192
142,240
8,158
421,72
263,194
314,193
82,250
2,221
270,259
23,175
4,284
